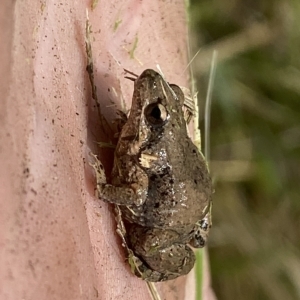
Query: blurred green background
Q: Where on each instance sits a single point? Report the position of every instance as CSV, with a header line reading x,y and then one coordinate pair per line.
x,y
254,245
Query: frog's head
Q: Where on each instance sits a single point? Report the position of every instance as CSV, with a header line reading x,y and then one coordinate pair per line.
x,y
156,105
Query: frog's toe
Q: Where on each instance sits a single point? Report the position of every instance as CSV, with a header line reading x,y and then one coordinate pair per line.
x,y
198,241
98,168
201,234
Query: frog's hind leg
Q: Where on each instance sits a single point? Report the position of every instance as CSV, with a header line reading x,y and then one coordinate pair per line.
x,y
158,256
158,266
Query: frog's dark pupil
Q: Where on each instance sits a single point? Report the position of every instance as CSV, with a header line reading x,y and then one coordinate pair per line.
x,y
156,113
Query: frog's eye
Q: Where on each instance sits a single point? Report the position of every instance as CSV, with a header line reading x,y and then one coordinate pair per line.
x,y
156,114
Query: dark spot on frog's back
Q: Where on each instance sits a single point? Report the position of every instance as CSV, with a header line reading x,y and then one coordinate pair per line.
x,y
153,177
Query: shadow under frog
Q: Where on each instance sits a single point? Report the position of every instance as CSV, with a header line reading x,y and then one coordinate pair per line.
x,y
160,183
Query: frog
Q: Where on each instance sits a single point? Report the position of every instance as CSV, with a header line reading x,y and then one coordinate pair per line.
x,y
160,183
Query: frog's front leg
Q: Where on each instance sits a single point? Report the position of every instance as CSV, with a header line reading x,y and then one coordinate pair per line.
x,y
159,254
133,193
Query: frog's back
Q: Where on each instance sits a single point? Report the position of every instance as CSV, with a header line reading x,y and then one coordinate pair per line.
x,y
179,187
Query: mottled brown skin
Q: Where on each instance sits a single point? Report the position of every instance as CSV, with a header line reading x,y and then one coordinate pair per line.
x,y
160,182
